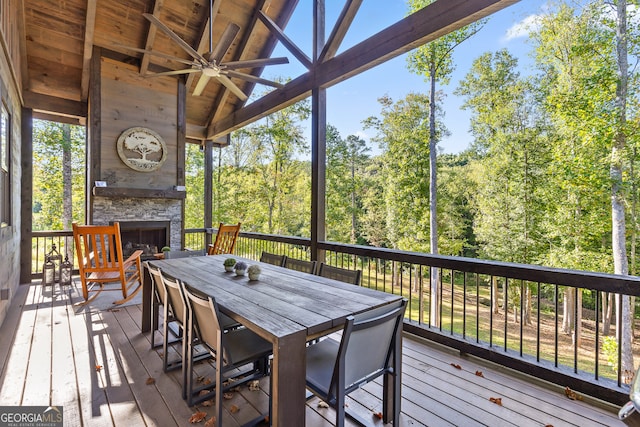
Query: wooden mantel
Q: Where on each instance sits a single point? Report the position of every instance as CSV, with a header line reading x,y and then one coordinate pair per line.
x,y
147,193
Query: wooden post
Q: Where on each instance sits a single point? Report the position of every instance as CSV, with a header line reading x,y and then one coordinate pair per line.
x,y
318,141
26,196
208,189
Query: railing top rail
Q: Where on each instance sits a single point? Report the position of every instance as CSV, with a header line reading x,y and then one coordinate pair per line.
x,y
629,285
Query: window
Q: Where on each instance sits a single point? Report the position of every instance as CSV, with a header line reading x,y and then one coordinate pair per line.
x,y
5,144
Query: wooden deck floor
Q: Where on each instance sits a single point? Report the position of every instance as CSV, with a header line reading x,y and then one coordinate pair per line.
x,y
97,366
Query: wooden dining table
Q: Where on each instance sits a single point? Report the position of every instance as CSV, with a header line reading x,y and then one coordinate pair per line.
x,y
285,307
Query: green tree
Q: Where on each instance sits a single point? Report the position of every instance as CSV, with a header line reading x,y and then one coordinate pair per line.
x,y
512,154
58,175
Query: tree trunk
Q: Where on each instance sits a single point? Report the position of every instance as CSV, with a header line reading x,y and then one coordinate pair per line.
x,y
67,204
578,323
568,308
606,313
433,218
495,308
618,230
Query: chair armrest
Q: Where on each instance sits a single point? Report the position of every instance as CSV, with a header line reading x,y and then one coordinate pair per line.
x,y
133,258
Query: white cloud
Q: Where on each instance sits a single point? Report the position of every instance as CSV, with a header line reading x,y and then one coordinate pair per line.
x,y
523,28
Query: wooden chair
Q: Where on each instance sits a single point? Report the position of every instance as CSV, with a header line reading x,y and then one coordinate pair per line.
x,y
101,261
300,265
341,274
368,349
159,292
225,240
232,350
274,259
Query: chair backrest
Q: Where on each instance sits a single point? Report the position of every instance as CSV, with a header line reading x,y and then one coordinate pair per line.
x,y
183,254
176,299
273,258
341,274
367,343
158,283
225,239
300,265
99,248
203,318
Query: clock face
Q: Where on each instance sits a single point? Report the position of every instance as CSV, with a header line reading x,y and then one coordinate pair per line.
x,y
142,149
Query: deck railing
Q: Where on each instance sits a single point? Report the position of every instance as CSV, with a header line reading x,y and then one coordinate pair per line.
x,y
508,313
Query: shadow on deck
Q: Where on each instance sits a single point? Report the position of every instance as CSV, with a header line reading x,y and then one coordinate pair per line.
x,y
99,367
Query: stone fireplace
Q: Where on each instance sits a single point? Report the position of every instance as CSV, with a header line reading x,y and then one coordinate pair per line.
x,y
149,221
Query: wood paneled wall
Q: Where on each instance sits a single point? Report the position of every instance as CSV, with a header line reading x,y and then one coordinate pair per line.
x,y
129,100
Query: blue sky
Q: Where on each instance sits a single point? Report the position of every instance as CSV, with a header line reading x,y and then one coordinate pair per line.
x,y
352,101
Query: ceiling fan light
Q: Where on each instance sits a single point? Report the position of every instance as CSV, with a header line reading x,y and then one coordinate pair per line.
x,y
211,71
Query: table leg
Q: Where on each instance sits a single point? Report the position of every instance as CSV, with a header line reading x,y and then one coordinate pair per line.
x,y
147,300
288,373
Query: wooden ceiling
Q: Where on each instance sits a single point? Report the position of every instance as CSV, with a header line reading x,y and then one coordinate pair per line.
x,y
60,37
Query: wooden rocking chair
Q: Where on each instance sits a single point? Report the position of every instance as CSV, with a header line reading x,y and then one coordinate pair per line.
x,y
225,240
101,261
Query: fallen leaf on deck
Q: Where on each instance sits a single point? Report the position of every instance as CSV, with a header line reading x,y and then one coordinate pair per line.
x,y
114,310
211,422
549,425
266,419
322,404
254,385
456,366
98,367
234,409
378,415
496,400
479,374
572,394
228,396
198,417
206,381
150,381
200,379
207,403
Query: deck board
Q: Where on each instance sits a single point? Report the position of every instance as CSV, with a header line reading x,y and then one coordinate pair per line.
x,y
49,356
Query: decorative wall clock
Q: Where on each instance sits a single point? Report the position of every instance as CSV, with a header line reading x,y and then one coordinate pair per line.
x,y
142,149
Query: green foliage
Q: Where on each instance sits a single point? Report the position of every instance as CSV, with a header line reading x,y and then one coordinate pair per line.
x,y
49,141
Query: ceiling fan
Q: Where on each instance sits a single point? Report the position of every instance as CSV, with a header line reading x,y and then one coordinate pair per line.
x,y
211,65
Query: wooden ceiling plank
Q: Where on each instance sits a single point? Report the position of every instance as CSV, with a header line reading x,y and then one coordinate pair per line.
x,y
151,38
89,32
286,41
339,31
421,27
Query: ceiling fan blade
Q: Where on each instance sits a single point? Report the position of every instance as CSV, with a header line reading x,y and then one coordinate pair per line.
x,y
159,54
232,87
176,38
174,73
252,63
202,83
224,43
253,79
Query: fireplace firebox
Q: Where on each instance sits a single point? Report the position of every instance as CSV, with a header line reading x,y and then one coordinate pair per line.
x,y
149,236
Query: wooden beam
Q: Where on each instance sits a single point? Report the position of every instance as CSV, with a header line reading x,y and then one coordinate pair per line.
x,y
89,32
286,41
421,27
151,38
340,29
54,105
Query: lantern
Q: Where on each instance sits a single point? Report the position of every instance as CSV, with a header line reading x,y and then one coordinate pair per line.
x,y
51,267
48,272
65,271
